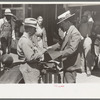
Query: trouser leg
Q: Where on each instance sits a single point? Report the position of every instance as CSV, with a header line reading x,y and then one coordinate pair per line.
x,y
97,60
30,75
88,57
70,77
96,50
89,60
3,45
9,45
82,56
61,77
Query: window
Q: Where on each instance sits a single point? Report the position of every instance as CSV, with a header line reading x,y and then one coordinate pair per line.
x,y
17,5
6,6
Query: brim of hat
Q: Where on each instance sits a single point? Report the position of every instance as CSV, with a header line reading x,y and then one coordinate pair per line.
x,y
65,19
29,25
8,14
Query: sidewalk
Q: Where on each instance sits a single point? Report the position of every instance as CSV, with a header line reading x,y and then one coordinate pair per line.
x,y
83,78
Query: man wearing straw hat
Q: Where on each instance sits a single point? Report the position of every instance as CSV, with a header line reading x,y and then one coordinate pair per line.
x,y
6,31
69,47
27,51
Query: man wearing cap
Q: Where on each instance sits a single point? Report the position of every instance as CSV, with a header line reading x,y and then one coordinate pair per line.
x,y
69,47
6,31
85,30
27,51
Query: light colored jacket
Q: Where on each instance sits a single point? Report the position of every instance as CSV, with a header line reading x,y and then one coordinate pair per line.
x,y
26,49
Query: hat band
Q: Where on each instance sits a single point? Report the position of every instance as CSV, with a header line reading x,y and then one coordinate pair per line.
x,y
30,25
8,13
67,16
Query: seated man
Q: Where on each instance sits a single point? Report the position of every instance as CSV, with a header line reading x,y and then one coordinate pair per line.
x,y
28,52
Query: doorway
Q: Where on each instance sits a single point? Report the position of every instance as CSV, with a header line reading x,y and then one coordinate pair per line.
x,y
47,11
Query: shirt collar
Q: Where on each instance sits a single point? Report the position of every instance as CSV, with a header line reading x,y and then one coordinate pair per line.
x,y
25,34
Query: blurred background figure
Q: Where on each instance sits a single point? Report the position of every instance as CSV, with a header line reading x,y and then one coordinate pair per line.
x,y
41,33
86,30
96,44
40,37
6,31
16,34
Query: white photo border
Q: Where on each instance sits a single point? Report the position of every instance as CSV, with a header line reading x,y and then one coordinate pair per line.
x,y
49,91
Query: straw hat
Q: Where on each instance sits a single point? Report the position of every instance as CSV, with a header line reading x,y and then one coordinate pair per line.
x,y
8,12
64,16
30,22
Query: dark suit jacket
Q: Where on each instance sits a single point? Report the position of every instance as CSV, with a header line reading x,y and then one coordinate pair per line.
x,y
70,48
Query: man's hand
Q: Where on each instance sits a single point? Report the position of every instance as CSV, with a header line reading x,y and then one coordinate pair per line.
x,y
49,47
43,51
39,55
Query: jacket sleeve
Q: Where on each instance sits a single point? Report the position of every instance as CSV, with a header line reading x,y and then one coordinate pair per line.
x,y
30,54
72,46
56,46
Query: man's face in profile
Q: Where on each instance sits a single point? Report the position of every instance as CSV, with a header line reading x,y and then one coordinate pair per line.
x,y
60,33
61,25
64,25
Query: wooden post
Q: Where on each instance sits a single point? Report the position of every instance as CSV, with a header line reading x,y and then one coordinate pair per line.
x,y
1,11
23,11
56,11
26,10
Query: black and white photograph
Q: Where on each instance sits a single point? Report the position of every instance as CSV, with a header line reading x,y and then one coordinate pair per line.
x,y
49,43
50,46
